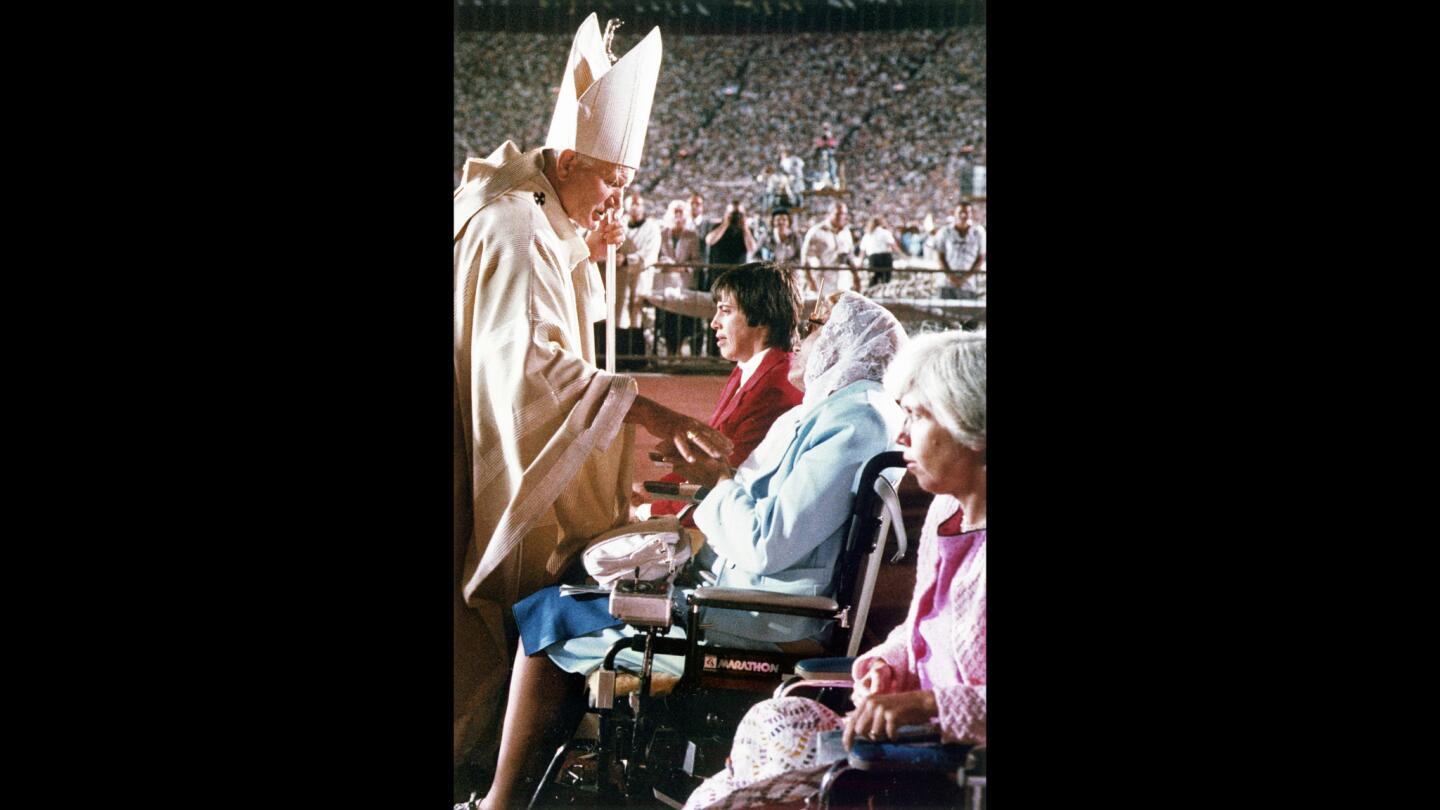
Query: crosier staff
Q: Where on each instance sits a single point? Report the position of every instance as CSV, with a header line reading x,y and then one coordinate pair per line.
x,y
610,301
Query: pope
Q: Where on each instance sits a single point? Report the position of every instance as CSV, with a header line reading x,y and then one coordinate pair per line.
x,y
543,438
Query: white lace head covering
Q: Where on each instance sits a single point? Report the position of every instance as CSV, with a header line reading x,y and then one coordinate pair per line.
x,y
858,341
777,736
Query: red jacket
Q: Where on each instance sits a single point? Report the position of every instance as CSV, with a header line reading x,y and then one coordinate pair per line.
x,y
745,414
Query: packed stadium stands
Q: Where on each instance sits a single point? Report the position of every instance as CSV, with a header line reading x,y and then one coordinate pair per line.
x,y
908,107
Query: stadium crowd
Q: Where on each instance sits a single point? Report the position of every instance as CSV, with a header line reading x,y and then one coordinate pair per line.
x,y
906,107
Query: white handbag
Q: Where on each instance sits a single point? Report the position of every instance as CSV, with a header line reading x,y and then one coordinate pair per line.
x,y
653,546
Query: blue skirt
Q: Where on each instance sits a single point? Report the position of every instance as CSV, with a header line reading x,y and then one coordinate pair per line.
x,y
545,617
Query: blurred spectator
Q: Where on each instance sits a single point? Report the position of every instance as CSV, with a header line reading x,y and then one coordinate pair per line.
x,y
704,225
679,244
912,239
782,246
825,145
731,241
879,247
794,170
634,277
776,188
827,244
961,249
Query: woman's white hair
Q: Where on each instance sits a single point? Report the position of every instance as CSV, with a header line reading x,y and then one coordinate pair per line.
x,y
945,371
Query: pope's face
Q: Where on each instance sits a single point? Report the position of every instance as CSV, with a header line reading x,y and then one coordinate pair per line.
x,y
587,192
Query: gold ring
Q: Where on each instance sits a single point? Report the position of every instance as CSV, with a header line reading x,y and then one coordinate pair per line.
x,y
690,434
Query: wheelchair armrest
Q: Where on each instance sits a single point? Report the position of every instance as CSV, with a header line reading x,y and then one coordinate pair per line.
x,y
916,755
818,673
787,687
829,669
816,607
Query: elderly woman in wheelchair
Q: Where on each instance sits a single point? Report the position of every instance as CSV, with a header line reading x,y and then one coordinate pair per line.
x,y
776,523
930,671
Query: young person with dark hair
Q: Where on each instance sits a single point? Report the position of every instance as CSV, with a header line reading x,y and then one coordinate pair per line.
x,y
757,309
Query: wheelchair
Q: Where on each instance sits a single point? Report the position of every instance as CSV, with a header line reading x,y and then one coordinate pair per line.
x,y
655,743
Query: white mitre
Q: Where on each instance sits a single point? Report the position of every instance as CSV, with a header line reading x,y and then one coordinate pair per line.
x,y
604,110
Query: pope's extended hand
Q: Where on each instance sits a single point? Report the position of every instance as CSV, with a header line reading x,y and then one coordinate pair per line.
x,y
704,470
690,437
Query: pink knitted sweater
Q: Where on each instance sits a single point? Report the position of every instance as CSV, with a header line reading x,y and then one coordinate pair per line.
x,y
962,707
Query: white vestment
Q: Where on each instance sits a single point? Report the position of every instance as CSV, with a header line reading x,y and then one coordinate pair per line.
x,y
536,421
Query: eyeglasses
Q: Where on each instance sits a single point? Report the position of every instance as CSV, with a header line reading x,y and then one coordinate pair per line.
x,y
810,325
816,319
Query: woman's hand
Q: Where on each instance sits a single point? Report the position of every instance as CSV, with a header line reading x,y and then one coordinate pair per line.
x,y
689,437
705,471
692,439
879,679
881,716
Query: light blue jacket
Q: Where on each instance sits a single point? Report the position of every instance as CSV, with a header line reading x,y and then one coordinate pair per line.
x,y
781,529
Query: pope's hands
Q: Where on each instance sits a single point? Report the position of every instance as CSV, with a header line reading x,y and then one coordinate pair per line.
x,y
704,470
694,439
608,232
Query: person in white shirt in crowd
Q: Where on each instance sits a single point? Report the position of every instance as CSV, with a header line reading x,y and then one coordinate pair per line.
x,y
636,255
829,244
679,244
961,250
880,248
